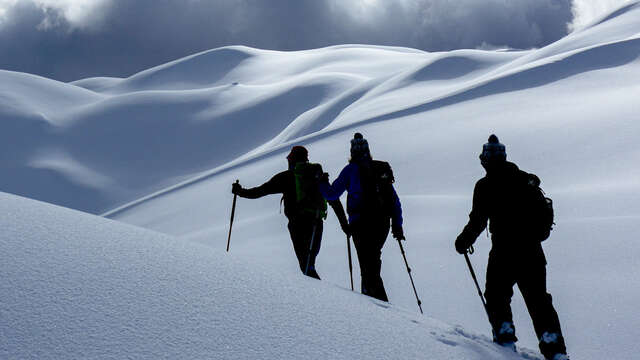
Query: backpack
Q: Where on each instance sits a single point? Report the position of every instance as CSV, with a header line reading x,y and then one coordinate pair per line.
x,y
308,196
376,179
540,209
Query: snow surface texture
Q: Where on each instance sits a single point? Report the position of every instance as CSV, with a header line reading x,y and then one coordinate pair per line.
x,y
76,286
566,112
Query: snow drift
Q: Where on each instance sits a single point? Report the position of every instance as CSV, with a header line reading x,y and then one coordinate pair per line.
x,y
78,286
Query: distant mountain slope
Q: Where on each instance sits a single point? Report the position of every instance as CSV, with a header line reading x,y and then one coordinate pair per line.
x,y
98,143
140,134
78,286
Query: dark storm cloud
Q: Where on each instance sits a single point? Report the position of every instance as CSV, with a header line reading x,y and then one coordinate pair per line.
x,y
127,36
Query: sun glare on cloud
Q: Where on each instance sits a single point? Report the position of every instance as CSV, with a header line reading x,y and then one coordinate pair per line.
x,y
586,11
79,13
361,10
4,6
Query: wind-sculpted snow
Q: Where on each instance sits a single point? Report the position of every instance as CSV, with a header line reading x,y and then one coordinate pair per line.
x,y
77,286
170,123
165,124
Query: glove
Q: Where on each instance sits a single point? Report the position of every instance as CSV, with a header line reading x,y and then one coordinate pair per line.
x,y
236,188
324,177
462,245
397,232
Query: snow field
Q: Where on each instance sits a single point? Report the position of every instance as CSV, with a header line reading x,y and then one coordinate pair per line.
x,y
78,286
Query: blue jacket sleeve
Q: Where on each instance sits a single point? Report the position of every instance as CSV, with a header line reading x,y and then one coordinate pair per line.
x,y
339,186
396,216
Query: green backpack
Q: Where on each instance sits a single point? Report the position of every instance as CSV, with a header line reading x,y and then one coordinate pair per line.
x,y
308,197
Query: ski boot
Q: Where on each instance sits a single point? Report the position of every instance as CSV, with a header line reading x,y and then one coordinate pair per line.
x,y
506,336
552,346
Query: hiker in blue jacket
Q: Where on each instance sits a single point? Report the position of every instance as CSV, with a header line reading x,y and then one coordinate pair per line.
x,y
372,205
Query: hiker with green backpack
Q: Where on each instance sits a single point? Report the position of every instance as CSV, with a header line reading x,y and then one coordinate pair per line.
x,y
304,206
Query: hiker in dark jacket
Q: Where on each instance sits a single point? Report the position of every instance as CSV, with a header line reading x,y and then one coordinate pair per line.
x,y
516,255
305,223
368,219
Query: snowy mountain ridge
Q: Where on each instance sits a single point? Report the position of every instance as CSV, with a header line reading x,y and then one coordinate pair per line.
x,y
297,96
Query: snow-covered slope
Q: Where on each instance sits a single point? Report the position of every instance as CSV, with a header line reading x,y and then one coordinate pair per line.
x,y
566,112
75,286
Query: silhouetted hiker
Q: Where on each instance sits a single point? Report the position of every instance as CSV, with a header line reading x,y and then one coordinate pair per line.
x,y
505,197
304,206
372,203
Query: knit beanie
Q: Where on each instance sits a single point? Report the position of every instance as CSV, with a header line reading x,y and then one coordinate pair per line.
x,y
298,154
493,151
359,148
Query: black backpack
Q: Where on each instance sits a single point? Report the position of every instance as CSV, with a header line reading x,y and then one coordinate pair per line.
x,y
376,179
540,209
308,196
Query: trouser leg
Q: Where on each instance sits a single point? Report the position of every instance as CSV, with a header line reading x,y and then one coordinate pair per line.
x,y
498,293
302,233
533,286
368,240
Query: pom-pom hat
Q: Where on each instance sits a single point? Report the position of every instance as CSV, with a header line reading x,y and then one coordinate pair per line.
x,y
493,151
359,147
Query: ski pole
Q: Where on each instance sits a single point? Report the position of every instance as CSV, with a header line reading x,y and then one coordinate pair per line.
x,y
233,212
350,264
313,235
475,280
410,277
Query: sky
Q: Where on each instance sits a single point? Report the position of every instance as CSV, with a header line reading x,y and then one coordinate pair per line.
x,y
73,39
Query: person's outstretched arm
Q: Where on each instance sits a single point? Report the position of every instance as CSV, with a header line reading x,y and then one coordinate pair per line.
x,y
274,186
339,186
